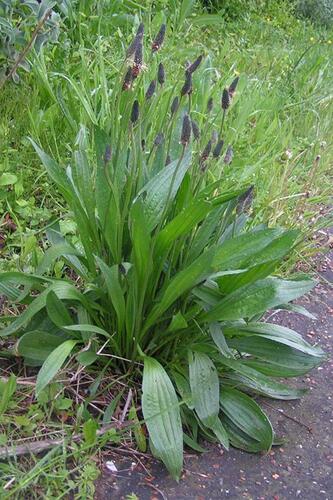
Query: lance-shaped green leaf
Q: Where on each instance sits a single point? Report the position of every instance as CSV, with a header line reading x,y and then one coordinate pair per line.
x,y
115,292
257,298
160,408
57,311
53,364
261,263
292,361
141,242
247,415
205,389
37,345
162,189
182,282
276,333
64,291
218,337
55,171
248,378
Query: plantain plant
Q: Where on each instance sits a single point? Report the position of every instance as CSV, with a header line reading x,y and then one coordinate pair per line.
x,y
168,276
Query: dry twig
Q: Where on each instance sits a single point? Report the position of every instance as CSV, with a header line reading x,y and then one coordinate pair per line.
x,y
40,446
27,48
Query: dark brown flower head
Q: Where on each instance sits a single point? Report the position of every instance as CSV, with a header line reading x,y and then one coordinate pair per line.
x,y
167,160
136,40
225,102
206,151
192,67
159,139
127,83
159,39
138,60
187,87
161,74
245,201
209,105
229,155
195,130
218,149
107,154
186,131
135,112
143,145
204,156
174,105
151,90
232,88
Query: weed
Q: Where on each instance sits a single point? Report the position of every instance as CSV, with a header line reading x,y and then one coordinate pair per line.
x,y
169,273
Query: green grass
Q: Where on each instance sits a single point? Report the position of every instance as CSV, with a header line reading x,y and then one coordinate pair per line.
x,y
284,102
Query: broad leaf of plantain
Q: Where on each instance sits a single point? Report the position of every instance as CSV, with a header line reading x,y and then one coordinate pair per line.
x,y
247,415
205,390
160,408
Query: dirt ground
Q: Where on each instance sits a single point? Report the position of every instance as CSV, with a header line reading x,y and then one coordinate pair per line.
x,y
302,468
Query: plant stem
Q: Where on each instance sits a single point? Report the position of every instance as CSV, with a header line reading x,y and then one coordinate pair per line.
x,y
27,48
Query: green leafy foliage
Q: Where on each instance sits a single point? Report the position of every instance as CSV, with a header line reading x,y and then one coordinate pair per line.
x,y
167,266
7,389
18,20
161,411
52,364
318,11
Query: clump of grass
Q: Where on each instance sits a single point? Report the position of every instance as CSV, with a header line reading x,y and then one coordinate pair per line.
x,y
169,273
